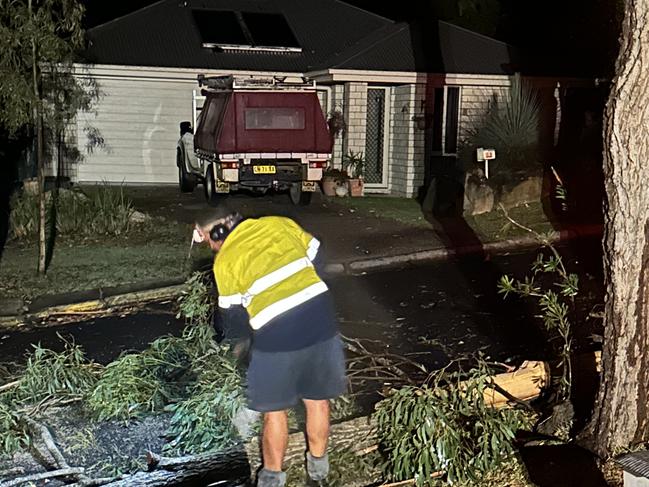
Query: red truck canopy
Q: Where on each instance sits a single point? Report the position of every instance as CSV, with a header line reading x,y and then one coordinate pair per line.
x,y
262,121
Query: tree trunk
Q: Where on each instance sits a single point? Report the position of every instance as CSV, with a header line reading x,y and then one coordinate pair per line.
x,y
621,415
40,166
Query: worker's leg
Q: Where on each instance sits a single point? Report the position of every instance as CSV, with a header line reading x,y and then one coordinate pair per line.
x,y
317,431
317,425
273,445
274,439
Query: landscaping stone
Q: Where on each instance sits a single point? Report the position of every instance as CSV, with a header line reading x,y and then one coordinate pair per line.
x,y
527,191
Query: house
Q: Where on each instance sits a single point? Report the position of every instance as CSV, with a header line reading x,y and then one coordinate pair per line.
x,y
406,107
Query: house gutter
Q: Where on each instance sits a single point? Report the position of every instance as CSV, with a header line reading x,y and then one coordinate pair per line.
x,y
154,73
437,79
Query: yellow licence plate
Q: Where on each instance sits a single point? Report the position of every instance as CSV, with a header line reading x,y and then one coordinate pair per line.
x,y
264,169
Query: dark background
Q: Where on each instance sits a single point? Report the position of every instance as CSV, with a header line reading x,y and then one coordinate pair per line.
x,y
578,37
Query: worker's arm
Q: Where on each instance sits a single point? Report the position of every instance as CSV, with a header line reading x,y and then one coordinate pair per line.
x,y
232,323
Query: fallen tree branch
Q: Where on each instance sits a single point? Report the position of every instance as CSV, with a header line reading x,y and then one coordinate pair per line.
x,y
9,385
63,472
48,441
94,482
12,471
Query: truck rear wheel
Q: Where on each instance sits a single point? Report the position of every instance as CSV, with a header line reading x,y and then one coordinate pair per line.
x,y
211,196
186,182
299,197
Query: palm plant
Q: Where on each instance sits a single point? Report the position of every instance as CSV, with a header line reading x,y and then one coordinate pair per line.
x,y
511,126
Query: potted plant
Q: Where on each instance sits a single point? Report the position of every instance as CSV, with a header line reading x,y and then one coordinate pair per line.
x,y
336,123
354,165
333,180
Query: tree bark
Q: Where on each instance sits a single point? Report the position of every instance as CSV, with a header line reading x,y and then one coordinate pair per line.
x,y
40,165
621,415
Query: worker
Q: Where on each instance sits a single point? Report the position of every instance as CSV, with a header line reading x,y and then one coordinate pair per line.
x,y
266,266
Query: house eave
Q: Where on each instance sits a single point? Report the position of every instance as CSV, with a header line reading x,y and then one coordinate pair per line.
x,y
164,74
463,79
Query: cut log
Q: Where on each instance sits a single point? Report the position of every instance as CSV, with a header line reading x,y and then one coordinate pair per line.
x,y
525,383
229,465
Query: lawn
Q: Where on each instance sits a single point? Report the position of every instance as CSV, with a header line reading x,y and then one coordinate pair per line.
x,y
488,227
149,252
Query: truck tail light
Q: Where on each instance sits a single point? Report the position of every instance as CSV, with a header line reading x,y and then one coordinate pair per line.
x,y
229,165
317,164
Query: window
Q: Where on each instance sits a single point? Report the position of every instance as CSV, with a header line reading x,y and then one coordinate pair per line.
x,y
274,118
219,27
270,30
245,30
452,114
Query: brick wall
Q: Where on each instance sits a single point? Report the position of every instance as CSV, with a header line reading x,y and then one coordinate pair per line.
x,y
355,101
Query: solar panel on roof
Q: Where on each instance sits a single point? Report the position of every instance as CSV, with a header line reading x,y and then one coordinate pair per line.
x,y
219,27
269,29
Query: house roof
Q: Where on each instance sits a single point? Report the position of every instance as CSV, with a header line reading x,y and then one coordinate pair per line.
x,y
331,33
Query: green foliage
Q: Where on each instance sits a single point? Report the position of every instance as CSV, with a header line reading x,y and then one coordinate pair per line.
x,y
129,387
555,301
46,36
203,421
445,426
50,374
196,303
354,164
13,434
104,210
511,127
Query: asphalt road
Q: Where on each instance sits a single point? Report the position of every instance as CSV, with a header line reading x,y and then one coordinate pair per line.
x,y
445,309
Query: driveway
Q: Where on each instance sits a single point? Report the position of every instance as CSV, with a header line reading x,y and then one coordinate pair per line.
x,y
345,234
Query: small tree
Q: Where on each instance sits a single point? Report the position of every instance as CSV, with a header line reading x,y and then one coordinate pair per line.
x,y
38,87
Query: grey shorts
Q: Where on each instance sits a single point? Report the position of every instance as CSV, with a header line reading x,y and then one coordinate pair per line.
x,y
279,380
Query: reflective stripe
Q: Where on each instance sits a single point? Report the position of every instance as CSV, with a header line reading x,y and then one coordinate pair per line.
x,y
312,250
272,278
278,307
278,275
227,301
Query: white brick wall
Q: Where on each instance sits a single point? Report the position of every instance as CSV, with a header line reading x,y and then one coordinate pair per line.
x,y
355,99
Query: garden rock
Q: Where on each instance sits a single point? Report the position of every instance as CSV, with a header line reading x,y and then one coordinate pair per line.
x,y
527,191
478,195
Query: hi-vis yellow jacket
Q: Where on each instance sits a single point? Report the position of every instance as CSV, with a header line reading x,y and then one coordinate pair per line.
x,y
266,266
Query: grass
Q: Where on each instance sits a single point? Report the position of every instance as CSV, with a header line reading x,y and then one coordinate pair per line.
x,y
488,227
155,251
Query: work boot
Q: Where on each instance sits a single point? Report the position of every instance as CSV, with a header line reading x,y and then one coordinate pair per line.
x,y
271,478
317,469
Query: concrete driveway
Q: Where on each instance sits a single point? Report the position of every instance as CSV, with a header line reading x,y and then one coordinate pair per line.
x,y
345,234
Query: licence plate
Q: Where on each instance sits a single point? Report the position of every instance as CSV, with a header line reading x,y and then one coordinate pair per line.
x,y
308,186
264,169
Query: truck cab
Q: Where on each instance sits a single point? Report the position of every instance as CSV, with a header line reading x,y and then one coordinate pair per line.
x,y
256,134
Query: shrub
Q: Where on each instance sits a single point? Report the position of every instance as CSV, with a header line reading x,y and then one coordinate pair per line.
x,y
103,210
511,127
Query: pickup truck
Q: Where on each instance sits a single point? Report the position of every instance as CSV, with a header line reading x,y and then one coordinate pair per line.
x,y
255,134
